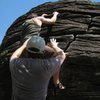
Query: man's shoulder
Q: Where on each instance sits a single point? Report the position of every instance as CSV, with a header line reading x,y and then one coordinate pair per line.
x,y
17,61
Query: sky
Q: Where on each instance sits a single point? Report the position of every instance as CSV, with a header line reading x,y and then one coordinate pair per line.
x,y
12,9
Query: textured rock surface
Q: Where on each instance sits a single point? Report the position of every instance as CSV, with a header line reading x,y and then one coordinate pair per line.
x,y
77,29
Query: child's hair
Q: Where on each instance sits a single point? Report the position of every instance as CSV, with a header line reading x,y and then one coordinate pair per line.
x,y
32,15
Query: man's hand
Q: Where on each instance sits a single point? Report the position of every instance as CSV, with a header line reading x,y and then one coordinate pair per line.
x,y
53,43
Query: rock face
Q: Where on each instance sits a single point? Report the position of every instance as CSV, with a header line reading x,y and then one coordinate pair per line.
x,y
78,31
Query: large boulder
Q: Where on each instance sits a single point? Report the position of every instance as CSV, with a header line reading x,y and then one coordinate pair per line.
x,y
78,32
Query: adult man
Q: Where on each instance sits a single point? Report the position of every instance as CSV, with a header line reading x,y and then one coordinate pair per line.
x,y
32,26
31,74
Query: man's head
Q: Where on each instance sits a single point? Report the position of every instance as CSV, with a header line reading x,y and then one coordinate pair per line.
x,y
37,48
36,44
